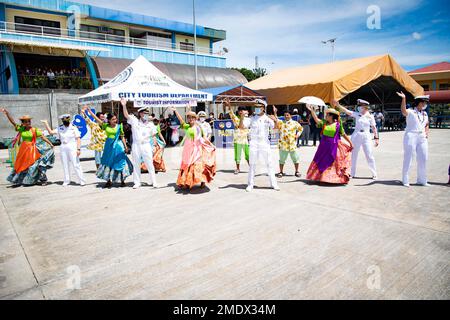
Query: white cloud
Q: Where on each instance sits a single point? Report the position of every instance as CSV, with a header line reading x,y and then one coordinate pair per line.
x,y
289,32
416,36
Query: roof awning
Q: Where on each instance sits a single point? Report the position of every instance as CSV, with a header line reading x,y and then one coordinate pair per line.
x,y
50,45
236,94
208,77
441,96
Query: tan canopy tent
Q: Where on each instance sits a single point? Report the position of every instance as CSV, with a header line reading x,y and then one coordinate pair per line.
x,y
374,78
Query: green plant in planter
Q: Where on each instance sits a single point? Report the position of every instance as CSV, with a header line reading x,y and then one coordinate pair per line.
x,y
60,82
39,82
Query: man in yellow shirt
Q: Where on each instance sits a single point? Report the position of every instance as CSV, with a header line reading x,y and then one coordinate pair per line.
x,y
290,130
240,137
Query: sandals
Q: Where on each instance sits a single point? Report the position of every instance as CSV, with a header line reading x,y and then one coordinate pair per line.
x,y
237,171
298,174
280,175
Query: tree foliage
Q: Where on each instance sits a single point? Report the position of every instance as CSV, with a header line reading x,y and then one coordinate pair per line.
x,y
251,75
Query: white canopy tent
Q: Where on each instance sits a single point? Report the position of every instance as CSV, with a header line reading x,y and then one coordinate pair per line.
x,y
145,85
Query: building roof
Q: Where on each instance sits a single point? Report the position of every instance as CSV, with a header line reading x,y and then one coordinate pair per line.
x,y
108,68
334,80
235,94
437,67
120,17
441,96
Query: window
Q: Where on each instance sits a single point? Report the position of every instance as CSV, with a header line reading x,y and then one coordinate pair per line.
x,y
31,25
444,86
102,33
186,46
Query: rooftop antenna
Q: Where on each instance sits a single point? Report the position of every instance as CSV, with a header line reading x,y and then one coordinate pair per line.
x,y
333,43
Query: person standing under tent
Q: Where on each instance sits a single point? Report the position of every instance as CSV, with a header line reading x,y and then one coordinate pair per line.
x,y
361,136
34,157
259,126
70,149
331,162
114,163
198,162
206,127
305,122
98,136
416,138
290,130
379,119
240,136
143,131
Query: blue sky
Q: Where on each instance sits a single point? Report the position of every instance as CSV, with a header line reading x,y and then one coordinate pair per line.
x,y
289,33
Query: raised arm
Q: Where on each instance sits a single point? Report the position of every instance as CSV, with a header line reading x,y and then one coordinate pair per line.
x,y
403,106
313,114
123,102
338,107
100,122
182,122
47,126
10,118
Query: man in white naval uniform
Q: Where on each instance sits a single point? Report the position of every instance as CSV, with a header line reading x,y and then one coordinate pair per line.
x,y
70,149
142,131
259,125
416,138
361,136
206,127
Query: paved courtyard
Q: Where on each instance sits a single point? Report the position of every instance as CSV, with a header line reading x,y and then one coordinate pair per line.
x,y
367,240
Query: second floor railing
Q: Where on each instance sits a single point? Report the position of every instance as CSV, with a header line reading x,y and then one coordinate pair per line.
x,y
106,38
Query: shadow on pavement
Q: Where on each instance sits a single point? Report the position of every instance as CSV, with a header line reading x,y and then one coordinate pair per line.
x,y
234,186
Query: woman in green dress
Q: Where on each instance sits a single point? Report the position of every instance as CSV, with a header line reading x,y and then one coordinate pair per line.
x,y
114,164
35,155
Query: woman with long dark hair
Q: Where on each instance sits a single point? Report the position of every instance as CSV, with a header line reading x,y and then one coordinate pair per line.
x,y
114,164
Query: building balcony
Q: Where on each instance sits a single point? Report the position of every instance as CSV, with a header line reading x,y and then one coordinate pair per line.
x,y
113,46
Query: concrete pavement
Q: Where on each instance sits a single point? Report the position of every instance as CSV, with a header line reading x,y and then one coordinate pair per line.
x,y
367,240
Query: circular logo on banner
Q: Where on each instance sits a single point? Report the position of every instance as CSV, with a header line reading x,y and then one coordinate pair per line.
x,y
228,125
138,103
120,78
222,125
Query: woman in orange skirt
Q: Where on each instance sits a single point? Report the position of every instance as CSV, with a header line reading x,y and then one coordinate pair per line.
x,y
34,157
198,163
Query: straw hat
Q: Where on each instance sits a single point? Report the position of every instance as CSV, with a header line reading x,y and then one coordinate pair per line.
x,y
25,117
333,111
191,114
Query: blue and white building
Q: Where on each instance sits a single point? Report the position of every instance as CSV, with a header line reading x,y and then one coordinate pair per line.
x,y
41,36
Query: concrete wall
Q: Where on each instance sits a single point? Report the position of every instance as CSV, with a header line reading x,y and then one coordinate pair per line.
x,y
39,106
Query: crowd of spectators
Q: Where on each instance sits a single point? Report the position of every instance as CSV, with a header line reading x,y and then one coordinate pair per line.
x,y
51,73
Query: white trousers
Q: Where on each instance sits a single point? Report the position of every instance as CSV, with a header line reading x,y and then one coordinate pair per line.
x,y
364,140
142,153
261,152
415,142
69,156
